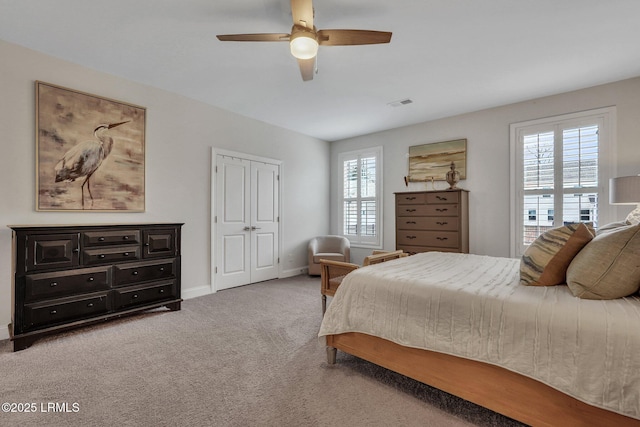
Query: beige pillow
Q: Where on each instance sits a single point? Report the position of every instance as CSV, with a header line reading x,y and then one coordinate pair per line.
x,y
611,226
634,217
545,261
608,267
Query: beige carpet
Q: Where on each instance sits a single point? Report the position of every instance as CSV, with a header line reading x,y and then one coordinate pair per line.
x,y
248,356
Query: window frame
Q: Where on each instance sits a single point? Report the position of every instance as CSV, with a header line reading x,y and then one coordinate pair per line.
x,y
606,119
358,240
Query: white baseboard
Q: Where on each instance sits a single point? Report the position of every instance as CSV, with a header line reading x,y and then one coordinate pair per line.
x,y
196,292
294,272
206,290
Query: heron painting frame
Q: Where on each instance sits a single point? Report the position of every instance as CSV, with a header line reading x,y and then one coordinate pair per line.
x,y
431,162
90,152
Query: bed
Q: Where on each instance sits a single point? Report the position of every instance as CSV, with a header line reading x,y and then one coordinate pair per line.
x,y
463,323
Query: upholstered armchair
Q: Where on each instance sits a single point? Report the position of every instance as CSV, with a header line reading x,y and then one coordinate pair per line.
x,y
333,248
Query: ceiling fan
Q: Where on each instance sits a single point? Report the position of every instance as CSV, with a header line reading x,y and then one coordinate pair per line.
x,y
305,38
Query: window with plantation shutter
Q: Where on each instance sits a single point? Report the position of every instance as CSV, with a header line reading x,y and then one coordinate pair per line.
x,y
361,200
560,171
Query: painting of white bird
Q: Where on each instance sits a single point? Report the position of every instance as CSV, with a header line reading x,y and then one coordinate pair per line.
x,y
83,159
79,172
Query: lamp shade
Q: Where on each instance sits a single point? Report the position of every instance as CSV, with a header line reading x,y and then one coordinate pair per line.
x,y
624,190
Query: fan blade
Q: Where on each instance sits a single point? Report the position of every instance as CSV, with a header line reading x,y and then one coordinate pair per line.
x,y
307,67
260,37
352,37
302,12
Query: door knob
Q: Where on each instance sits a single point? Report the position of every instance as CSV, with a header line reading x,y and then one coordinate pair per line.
x,y
247,229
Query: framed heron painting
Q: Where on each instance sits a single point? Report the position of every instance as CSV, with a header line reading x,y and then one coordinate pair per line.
x,y
90,152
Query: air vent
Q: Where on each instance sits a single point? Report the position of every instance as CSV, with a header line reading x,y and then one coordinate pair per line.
x,y
400,103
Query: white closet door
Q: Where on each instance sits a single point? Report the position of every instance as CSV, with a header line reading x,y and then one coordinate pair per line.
x,y
247,222
233,247
264,221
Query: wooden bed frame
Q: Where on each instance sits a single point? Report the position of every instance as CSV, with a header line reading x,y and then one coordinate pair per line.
x,y
490,386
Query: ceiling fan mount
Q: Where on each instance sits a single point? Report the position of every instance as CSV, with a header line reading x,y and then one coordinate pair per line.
x,y
305,38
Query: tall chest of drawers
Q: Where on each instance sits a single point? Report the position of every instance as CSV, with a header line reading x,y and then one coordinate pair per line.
x,y
69,276
432,221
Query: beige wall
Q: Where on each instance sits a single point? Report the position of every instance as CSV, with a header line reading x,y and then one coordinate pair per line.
x,y
487,132
180,135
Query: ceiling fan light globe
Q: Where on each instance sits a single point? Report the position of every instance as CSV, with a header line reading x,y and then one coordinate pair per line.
x,y
303,46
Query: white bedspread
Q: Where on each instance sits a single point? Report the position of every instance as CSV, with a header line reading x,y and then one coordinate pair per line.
x,y
472,306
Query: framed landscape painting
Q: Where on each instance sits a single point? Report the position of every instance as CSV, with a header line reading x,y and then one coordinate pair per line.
x,y
432,161
90,152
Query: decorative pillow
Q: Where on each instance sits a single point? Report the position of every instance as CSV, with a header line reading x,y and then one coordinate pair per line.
x,y
545,261
608,267
634,217
611,226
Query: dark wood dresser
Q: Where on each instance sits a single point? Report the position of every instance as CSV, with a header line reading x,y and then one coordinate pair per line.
x,y
69,276
432,221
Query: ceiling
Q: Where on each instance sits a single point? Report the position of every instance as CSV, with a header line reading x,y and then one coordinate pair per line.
x,y
448,56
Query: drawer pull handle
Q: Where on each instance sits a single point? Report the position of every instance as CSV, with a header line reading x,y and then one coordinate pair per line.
x,y
411,237
134,273
410,198
101,256
162,291
53,284
441,198
442,238
134,296
410,210
442,210
101,239
411,222
161,268
125,254
52,312
90,305
126,237
90,279
442,223
147,244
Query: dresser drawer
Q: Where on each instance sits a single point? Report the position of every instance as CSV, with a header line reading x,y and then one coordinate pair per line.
x,y
110,254
428,210
443,197
49,251
126,274
137,295
51,312
444,239
62,283
427,223
110,237
160,242
411,199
